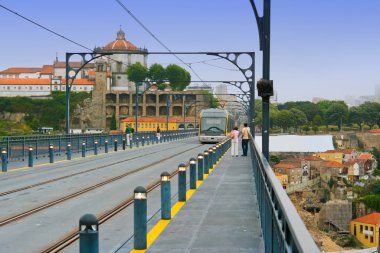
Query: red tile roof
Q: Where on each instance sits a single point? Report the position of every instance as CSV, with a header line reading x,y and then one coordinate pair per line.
x,y
349,163
366,157
120,45
313,158
293,160
20,70
373,218
73,64
331,164
25,81
374,131
346,151
284,166
47,69
79,81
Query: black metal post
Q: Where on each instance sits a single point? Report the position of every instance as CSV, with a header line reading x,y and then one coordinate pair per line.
x,y
137,107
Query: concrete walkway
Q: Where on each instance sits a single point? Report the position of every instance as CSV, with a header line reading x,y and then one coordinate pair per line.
x,y
221,216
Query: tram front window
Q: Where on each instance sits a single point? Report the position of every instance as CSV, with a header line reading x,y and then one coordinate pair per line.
x,y
213,126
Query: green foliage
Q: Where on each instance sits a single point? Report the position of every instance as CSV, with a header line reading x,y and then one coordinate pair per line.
x,y
375,187
306,128
331,183
299,118
371,113
356,115
317,120
336,114
42,112
137,72
214,102
372,202
315,129
376,154
178,77
161,86
12,128
308,108
157,73
274,159
113,122
284,119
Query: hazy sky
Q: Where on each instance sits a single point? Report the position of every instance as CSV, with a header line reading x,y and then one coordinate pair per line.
x,y
319,48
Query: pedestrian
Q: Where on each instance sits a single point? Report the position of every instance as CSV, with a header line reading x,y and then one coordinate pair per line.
x,y
245,139
234,142
128,133
158,134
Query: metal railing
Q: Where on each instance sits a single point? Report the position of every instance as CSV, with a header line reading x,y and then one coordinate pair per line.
x,y
283,229
17,147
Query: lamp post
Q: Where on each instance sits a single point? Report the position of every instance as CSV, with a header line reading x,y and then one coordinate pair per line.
x,y
137,106
263,24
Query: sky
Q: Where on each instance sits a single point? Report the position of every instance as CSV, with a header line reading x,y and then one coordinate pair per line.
x,y
319,48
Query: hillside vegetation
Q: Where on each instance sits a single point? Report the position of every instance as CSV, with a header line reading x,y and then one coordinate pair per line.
x,y
38,112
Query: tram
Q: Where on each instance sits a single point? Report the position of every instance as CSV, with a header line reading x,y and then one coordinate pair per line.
x,y
214,125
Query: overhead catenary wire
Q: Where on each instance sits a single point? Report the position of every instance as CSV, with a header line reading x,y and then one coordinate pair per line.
x,y
53,32
44,27
92,51
155,37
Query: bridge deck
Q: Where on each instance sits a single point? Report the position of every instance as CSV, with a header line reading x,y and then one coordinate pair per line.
x,y
221,216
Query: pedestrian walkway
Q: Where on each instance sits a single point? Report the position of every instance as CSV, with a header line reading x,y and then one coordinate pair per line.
x,y
221,216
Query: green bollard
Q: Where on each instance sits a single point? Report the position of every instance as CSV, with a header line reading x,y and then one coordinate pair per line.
x,y
165,196
193,173
200,166
140,218
88,234
182,182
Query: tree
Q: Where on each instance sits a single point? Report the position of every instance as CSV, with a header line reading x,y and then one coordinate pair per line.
x,y
157,74
214,102
331,183
284,119
356,115
310,109
317,120
137,72
178,77
336,114
306,128
371,112
299,118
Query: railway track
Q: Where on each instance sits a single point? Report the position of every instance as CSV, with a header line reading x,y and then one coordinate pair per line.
x,y
78,173
83,191
74,234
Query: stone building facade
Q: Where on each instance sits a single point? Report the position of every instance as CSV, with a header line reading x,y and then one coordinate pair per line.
x,y
114,95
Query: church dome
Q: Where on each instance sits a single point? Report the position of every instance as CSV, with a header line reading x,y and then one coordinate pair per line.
x,y
120,43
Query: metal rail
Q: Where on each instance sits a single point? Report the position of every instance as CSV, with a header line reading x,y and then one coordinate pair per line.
x,y
74,235
283,229
85,190
17,147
